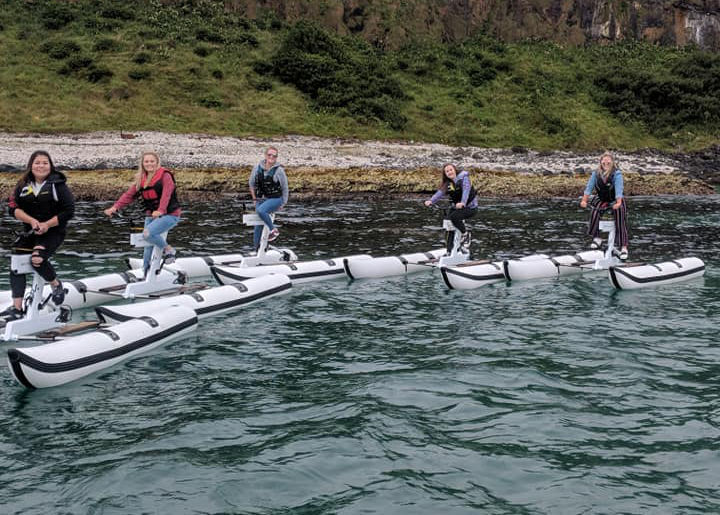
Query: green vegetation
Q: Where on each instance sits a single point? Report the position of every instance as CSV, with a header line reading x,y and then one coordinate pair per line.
x,y
192,67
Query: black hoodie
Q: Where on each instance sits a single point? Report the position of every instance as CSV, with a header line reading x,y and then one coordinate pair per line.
x,y
54,199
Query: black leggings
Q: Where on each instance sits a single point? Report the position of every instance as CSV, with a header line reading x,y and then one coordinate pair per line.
x,y
51,240
457,216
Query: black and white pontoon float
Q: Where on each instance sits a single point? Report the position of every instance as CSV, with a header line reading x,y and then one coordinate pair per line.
x,y
537,266
455,252
266,262
631,276
67,358
208,302
72,358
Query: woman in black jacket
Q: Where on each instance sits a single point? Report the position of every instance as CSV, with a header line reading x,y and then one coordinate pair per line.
x,y
44,203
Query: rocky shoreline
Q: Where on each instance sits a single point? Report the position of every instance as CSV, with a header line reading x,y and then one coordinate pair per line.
x,y
349,158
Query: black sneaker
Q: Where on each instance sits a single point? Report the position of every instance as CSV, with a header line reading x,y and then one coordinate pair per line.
x,y
12,313
58,294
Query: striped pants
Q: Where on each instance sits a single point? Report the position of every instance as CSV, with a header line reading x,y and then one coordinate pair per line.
x,y
619,216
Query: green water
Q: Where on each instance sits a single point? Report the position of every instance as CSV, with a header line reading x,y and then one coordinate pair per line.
x,y
395,396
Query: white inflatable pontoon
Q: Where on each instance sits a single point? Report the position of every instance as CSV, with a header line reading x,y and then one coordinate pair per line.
x,y
473,274
392,265
208,302
539,266
67,360
85,293
298,272
199,267
641,275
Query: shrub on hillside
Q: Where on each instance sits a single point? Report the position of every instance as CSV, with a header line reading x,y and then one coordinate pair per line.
x,y
106,45
202,50
342,74
141,58
98,73
688,93
56,15
60,49
75,64
139,74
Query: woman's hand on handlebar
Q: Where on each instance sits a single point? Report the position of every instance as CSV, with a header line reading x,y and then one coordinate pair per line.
x,y
42,228
428,203
584,201
459,205
156,214
110,211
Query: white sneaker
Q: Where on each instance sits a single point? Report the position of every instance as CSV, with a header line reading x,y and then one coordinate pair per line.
x,y
596,243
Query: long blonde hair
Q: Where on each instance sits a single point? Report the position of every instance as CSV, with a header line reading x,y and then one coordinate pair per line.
x,y
141,170
613,165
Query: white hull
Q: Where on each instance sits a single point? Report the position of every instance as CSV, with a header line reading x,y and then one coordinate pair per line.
x,y
629,277
541,266
472,275
391,265
86,293
64,361
199,267
537,266
298,272
205,303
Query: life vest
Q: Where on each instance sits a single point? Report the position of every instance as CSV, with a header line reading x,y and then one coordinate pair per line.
x,y
265,184
605,190
151,192
455,192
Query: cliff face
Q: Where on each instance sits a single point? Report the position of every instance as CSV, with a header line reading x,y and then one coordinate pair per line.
x,y
389,23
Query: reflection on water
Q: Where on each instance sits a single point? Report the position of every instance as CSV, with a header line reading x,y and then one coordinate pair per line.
x,y
550,396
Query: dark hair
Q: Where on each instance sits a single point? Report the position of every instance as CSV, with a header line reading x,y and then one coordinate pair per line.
x,y
445,180
28,175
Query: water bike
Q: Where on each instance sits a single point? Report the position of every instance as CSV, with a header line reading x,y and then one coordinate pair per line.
x,y
198,267
36,317
265,263
456,251
471,275
125,330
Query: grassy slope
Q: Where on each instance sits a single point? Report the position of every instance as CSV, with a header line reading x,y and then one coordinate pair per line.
x,y
545,101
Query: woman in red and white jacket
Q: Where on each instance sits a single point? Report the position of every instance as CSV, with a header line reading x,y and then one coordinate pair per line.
x,y
154,186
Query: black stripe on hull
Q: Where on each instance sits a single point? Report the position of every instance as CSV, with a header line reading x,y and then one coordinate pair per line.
x,y
305,275
646,280
106,314
446,271
18,358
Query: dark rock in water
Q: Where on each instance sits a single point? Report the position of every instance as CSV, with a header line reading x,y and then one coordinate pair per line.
x,y
102,165
548,172
580,171
519,150
10,168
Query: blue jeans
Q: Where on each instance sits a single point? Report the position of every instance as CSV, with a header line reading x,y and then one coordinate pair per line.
x,y
155,227
264,208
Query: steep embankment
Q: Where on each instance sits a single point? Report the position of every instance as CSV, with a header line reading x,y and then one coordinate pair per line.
x,y
196,67
391,24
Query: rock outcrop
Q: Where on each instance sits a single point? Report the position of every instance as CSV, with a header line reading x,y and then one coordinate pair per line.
x,y
389,23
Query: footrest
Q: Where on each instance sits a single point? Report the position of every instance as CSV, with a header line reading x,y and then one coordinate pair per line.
x,y
69,329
